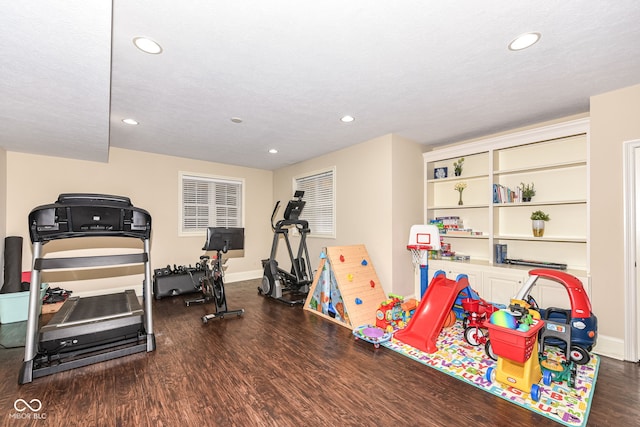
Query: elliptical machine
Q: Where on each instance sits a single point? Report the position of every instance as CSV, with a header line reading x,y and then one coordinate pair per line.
x,y
275,280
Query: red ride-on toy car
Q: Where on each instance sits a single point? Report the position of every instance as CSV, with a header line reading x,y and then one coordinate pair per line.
x,y
583,323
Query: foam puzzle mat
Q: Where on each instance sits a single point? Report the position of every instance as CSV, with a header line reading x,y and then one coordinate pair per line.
x,y
558,401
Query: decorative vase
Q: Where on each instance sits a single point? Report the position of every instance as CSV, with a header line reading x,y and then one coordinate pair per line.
x,y
460,200
457,172
526,199
538,227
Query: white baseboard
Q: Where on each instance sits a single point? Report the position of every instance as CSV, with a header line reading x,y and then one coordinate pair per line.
x,y
228,278
610,347
244,275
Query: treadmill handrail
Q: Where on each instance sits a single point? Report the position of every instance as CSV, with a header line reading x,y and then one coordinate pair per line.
x,y
89,261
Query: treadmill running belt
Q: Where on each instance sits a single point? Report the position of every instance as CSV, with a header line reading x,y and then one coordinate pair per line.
x,y
90,321
98,307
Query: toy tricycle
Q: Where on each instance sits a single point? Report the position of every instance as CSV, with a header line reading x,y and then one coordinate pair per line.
x,y
477,311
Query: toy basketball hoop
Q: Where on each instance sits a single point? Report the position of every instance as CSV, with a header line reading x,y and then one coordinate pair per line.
x,y
419,254
422,239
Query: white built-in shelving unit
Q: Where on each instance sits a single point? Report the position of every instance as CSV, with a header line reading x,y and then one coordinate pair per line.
x,y
555,159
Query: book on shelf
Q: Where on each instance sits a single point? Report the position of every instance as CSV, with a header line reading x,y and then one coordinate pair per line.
x,y
447,222
459,232
500,253
503,194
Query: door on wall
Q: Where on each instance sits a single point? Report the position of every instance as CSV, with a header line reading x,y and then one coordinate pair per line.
x,y
636,219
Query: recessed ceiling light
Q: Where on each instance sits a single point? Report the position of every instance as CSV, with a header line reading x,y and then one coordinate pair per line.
x,y
147,45
347,119
273,151
524,41
130,121
236,119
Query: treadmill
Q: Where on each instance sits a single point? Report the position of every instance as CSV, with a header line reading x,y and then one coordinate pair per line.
x,y
91,329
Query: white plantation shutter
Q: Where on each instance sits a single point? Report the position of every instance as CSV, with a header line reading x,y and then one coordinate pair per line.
x,y
210,202
319,195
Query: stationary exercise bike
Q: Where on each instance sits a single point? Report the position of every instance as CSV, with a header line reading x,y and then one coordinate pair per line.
x,y
221,240
277,281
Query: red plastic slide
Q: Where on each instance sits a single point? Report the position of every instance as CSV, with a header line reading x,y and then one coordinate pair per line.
x,y
425,325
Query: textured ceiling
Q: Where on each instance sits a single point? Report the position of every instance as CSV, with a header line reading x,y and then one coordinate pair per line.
x,y
433,72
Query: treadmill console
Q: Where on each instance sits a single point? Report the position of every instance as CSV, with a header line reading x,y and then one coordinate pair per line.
x,y
83,214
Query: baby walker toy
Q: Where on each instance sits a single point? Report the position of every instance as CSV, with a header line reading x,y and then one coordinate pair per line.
x,y
517,350
557,369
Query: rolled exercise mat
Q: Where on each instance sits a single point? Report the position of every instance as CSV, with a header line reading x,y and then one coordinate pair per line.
x,y
12,265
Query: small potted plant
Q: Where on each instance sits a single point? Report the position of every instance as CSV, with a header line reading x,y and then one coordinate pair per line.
x,y
528,191
457,166
538,219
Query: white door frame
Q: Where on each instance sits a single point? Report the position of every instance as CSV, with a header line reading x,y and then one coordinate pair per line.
x,y
631,210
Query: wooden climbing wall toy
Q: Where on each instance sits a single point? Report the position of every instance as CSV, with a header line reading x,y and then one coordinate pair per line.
x,y
346,289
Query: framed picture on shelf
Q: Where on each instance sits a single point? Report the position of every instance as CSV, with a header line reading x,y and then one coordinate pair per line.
x,y
439,173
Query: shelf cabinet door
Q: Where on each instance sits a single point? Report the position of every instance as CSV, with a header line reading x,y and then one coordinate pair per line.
x,y
453,269
499,287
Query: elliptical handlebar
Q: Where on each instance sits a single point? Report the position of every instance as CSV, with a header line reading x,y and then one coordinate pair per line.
x,y
273,215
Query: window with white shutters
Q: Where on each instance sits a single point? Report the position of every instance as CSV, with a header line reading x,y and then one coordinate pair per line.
x,y
319,195
210,202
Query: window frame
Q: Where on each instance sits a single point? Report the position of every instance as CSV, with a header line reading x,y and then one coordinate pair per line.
x,y
210,179
305,211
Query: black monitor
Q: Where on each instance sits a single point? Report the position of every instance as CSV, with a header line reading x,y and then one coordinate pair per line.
x,y
295,206
224,239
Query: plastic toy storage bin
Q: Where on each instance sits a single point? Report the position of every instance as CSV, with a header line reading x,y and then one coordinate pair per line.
x,y
14,307
513,344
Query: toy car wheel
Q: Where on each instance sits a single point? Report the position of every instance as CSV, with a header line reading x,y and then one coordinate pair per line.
x,y
579,355
465,322
490,375
473,335
489,350
547,378
535,392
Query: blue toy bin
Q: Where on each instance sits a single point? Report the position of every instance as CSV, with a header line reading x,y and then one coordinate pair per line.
x,y
14,307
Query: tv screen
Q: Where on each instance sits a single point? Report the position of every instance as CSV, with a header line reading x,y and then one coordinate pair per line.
x,y
224,239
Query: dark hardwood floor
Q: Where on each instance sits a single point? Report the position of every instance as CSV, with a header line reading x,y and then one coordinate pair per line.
x,y
275,366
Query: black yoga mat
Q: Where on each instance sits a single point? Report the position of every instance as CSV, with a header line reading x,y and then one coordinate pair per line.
x,y
12,265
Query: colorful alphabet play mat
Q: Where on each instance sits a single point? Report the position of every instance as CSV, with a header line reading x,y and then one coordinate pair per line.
x,y
558,401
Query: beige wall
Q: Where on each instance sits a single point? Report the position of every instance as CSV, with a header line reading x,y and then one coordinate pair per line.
x,y
407,209
152,183
615,118
3,208
378,187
